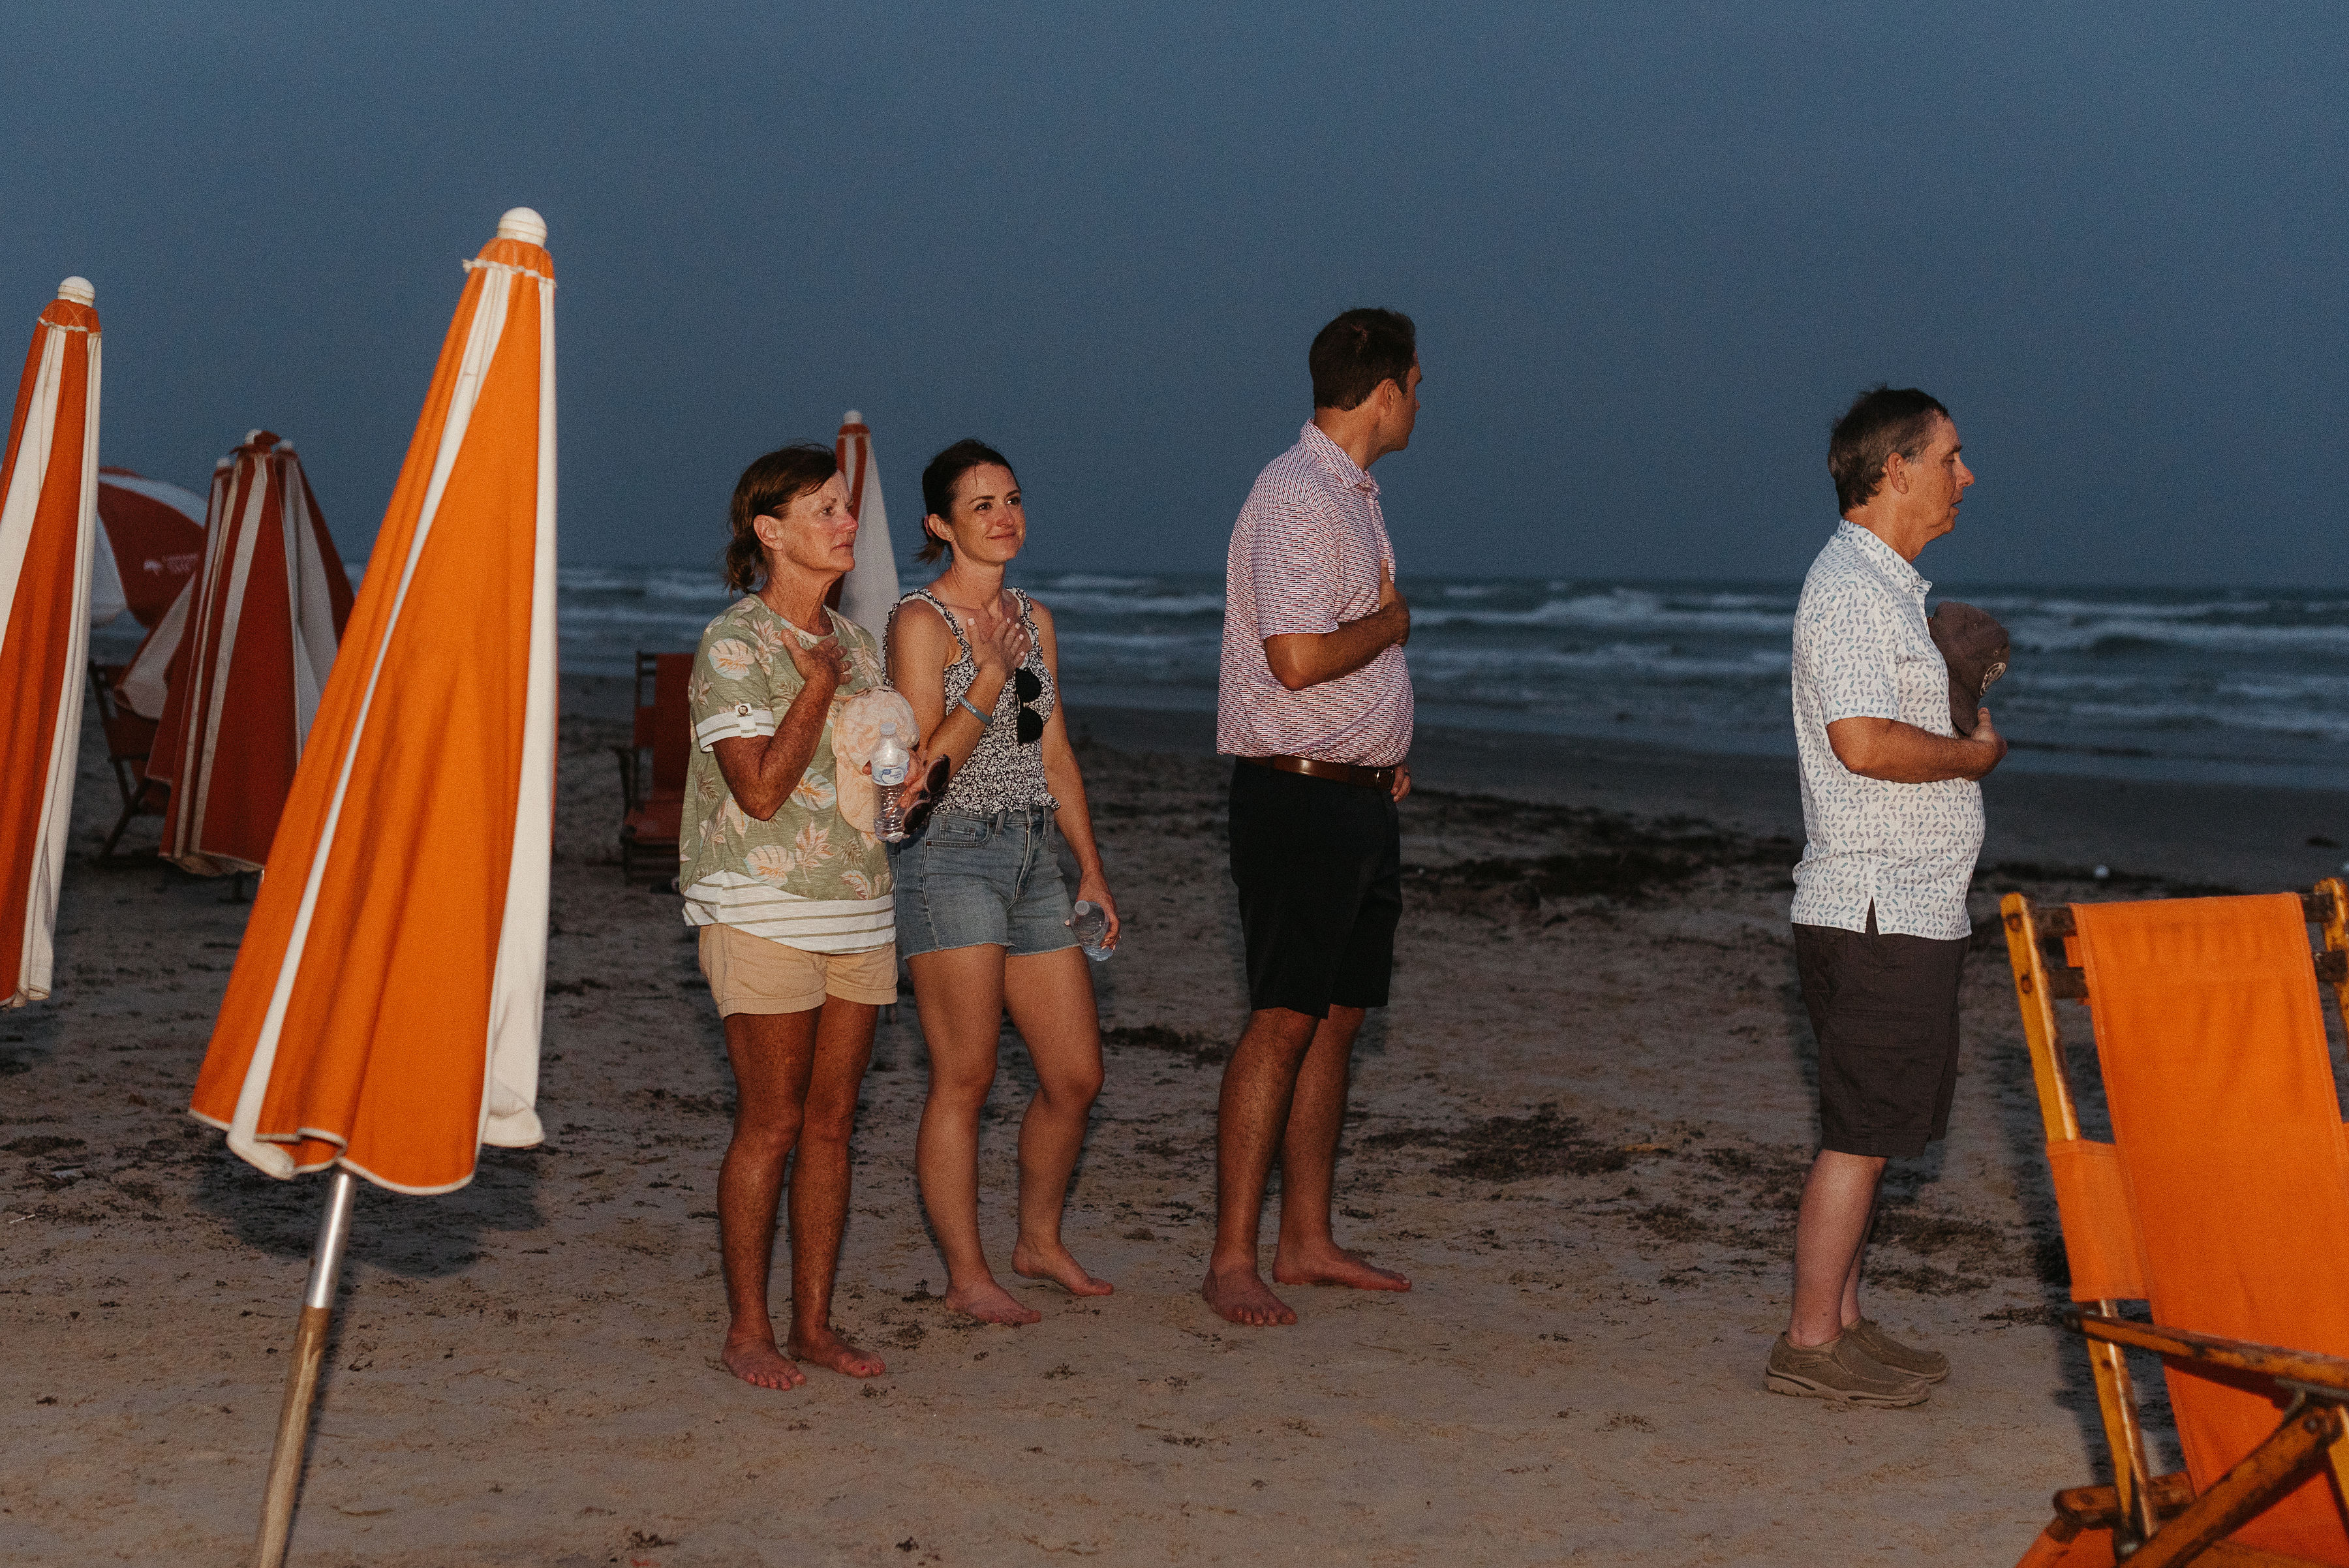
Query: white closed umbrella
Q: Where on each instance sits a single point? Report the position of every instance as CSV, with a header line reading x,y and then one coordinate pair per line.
x,y
870,589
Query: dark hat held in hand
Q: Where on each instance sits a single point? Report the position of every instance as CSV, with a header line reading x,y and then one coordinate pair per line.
x,y
1973,646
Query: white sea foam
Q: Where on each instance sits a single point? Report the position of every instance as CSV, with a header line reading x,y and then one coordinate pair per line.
x,y
1622,608
2111,634
1081,580
1138,604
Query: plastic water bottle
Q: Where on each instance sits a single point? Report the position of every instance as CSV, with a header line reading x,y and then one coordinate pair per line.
x,y
891,762
1090,922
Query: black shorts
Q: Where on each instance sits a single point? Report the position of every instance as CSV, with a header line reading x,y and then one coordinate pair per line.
x,y
1885,1009
1319,869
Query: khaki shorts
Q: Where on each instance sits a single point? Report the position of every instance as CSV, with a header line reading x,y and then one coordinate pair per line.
x,y
755,974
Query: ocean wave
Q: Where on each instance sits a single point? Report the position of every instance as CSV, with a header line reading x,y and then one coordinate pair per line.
x,y
1209,643
1652,659
2175,716
2268,686
1083,580
2121,609
2119,636
1620,608
1120,605
599,580
705,586
631,615
2262,676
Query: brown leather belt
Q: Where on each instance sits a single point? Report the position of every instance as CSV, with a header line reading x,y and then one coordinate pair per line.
x,y
1344,773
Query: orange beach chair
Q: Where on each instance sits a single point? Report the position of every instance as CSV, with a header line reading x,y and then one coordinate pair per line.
x,y
2222,1202
653,765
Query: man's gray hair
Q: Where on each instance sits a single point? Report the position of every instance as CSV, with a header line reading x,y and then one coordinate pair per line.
x,y
1880,421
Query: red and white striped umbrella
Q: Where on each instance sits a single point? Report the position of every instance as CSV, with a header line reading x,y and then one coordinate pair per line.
x,y
48,530
263,616
151,539
146,683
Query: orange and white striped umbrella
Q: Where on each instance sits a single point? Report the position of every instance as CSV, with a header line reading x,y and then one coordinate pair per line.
x,y
870,589
268,609
383,1014
48,531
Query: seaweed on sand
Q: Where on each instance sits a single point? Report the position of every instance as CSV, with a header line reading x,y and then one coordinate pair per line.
x,y
1595,854
1198,1050
1511,1149
1627,875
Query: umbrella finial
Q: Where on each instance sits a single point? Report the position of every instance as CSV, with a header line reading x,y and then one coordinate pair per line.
x,y
522,223
77,289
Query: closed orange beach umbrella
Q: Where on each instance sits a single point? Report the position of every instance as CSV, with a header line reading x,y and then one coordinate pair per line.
x,y
265,612
48,528
383,1015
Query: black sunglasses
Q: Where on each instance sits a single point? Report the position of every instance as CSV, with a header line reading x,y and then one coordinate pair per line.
x,y
1031,723
919,817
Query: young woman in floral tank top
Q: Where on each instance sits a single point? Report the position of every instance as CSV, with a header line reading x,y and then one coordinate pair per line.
x,y
982,913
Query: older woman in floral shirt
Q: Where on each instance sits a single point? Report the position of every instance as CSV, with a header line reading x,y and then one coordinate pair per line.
x,y
792,901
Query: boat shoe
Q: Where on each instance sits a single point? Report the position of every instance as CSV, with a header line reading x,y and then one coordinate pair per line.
x,y
1840,1370
1881,1347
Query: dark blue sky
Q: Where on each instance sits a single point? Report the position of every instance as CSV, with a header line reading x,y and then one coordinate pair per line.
x,y
1651,258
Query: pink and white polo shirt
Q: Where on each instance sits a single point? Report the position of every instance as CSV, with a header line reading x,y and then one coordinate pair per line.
x,y
1305,555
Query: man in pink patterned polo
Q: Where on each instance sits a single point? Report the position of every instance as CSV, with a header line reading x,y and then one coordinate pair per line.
x,y
1316,705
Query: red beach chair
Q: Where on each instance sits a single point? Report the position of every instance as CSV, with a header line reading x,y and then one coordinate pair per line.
x,y
653,765
129,738
2222,1202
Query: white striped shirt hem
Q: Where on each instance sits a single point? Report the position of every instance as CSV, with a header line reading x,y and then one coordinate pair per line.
x,y
811,925
740,722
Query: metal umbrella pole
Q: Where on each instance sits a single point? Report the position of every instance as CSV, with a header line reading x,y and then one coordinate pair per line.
x,y
302,1374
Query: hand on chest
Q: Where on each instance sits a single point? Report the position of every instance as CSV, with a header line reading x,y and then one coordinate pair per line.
x,y
1361,557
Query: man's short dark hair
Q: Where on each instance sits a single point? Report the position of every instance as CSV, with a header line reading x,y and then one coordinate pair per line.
x,y
1354,353
1880,421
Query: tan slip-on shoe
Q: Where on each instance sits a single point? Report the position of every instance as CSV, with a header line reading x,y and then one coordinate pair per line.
x,y
1886,1351
1841,1371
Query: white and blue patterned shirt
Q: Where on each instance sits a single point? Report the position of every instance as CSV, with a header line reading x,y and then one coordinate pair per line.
x,y
1861,650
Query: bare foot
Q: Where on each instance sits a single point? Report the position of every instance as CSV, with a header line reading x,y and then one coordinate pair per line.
x,y
828,1349
1240,1295
757,1361
1053,1262
990,1303
1335,1266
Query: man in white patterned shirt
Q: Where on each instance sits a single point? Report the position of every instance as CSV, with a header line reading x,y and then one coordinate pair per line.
x,y
1893,814
1315,706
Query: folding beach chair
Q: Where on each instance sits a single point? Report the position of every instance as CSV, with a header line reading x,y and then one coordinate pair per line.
x,y
2222,1202
653,765
129,739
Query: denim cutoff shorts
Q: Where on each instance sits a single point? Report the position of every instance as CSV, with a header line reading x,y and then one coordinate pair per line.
x,y
967,880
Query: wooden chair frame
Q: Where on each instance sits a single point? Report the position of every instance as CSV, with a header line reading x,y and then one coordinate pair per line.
x,y
2157,1521
636,776
142,796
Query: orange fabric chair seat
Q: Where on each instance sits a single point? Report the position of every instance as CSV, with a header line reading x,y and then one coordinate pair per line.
x,y
658,820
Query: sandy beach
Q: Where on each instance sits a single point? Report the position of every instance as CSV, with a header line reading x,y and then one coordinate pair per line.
x,y
1580,1128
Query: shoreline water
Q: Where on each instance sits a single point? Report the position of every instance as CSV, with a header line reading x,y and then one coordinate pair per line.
x,y
2249,835
2252,835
